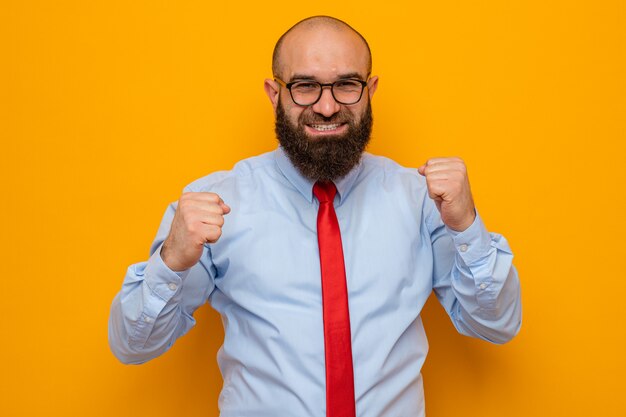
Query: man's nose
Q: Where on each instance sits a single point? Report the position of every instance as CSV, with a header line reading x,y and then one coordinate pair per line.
x,y
326,105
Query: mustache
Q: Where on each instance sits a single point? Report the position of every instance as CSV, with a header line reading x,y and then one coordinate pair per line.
x,y
310,117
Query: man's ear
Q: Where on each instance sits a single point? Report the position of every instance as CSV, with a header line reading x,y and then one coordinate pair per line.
x,y
372,85
272,89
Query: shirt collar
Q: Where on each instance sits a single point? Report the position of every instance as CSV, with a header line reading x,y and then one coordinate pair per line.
x,y
305,185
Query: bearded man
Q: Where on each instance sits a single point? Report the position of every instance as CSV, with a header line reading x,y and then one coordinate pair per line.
x,y
318,256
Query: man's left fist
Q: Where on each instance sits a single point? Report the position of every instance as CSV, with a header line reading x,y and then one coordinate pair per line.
x,y
449,187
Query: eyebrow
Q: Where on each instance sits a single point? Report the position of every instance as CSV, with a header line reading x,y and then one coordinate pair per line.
x,y
339,77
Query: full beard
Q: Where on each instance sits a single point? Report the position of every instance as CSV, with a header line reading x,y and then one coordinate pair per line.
x,y
326,158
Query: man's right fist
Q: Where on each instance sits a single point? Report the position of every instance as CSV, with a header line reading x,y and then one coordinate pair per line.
x,y
198,220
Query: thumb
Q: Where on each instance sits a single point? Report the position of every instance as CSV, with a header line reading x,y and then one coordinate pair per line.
x,y
224,207
422,169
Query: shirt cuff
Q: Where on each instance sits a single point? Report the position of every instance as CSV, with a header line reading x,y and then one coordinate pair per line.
x,y
473,243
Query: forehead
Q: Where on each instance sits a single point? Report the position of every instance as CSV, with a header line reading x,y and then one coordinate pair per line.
x,y
324,53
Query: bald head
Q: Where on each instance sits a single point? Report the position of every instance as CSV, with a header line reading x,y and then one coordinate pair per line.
x,y
315,24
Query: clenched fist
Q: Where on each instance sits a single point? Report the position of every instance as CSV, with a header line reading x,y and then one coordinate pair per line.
x,y
198,220
449,187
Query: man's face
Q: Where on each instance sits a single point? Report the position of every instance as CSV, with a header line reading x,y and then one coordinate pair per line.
x,y
324,140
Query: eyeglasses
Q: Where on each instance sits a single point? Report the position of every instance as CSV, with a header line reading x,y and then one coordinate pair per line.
x,y
307,93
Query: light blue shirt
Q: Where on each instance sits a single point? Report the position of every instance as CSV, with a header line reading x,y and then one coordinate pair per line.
x,y
263,277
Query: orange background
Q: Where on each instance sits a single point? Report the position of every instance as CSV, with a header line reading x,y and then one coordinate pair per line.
x,y
108,108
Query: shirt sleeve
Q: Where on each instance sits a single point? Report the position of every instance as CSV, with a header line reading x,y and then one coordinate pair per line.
x,y
155,304
475,281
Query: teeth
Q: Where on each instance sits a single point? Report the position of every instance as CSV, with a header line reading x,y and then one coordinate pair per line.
x,y
322,128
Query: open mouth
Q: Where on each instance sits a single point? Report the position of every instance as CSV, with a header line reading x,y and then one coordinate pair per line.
x,y
325,128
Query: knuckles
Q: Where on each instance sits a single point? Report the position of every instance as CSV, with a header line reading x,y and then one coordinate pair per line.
x,y
200,196
191,200
213,198
453,168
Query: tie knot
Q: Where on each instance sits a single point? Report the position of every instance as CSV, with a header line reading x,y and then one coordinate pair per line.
x,y
325,191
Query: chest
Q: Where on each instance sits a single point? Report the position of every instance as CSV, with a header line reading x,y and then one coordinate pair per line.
x,y
268,256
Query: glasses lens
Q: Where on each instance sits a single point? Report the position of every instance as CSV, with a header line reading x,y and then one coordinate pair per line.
x,y
305,93
347,91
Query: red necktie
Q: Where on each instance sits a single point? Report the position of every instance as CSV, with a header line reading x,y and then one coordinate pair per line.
x,y
337,341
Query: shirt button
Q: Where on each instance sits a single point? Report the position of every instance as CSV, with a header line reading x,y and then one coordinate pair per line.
x,y
482,286
148,320
172,286
463,248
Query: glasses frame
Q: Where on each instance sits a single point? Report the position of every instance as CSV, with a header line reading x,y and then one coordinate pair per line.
x,y
322,85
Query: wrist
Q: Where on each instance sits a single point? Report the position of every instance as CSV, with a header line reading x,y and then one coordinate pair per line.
x,y
464,224
170,260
